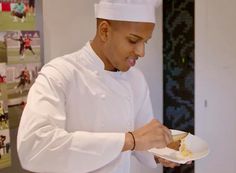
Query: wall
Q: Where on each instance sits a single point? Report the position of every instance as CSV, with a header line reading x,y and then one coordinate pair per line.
x,y
68,25
215,95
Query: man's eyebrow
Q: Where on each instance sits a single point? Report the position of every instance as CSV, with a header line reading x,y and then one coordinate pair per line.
x,y
137,36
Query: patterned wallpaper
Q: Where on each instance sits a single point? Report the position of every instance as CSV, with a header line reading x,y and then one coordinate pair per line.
x,y
178,54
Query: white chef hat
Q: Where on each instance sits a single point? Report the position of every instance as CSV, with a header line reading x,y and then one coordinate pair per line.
x,y
127,10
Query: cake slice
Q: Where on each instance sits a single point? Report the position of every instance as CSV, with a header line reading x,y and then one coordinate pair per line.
x,y
176,143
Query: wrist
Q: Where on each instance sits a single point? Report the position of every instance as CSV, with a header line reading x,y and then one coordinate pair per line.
x,y
129,142
134,142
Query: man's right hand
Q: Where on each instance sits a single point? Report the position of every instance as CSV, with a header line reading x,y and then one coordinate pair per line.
x,y
151,135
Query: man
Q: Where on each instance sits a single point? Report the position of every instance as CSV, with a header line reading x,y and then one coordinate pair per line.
x,y
22,45
27,45
19,11
32,7
24,78
90,110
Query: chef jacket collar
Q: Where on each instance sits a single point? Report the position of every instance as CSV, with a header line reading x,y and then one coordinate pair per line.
x,y
99,63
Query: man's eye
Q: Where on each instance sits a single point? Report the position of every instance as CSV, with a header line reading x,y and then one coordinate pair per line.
x,y
133,41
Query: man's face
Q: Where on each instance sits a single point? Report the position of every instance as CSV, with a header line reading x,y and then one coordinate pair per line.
x,y
126,43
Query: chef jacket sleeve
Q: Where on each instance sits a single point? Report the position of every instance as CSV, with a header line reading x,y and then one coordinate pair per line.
x,y
44,145
143,116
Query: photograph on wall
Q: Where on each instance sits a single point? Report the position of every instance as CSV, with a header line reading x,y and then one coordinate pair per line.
x,y
5,151
17,15
20,78
22,47
5,155
3,48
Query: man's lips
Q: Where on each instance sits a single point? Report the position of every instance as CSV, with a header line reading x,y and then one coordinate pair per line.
x,y
132,61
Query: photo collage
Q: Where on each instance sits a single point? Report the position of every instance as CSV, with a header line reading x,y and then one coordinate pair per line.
x,y
20,63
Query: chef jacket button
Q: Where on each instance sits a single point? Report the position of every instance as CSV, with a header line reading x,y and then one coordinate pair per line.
x,y
96,73
103,96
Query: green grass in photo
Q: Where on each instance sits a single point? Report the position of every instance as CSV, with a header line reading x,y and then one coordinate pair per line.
x,y
13,56
3,52
3,88
7,23
13,92
5,160
14,114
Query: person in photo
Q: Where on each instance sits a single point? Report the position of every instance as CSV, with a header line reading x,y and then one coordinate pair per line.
x,y
18,11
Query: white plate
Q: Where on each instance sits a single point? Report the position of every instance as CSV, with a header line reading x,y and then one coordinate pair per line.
x,y
196,145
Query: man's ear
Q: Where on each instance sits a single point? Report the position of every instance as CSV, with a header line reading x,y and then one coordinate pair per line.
x,y
104,29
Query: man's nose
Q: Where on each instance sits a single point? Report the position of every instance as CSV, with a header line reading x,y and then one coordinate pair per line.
x,y
140,50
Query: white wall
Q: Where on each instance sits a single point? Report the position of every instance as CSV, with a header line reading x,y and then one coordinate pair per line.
x,y
215,84
68,25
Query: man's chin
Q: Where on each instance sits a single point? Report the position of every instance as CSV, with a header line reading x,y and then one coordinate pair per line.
x,y
125,69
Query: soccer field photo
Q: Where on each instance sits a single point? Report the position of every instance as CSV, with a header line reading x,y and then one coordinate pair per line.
x,y
17,15
7,22
23,47
5,150
20,79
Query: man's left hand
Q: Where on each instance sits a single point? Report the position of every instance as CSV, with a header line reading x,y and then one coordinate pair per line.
x,y
166,163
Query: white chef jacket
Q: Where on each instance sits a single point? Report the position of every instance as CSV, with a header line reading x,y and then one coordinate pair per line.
x,y
77,114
